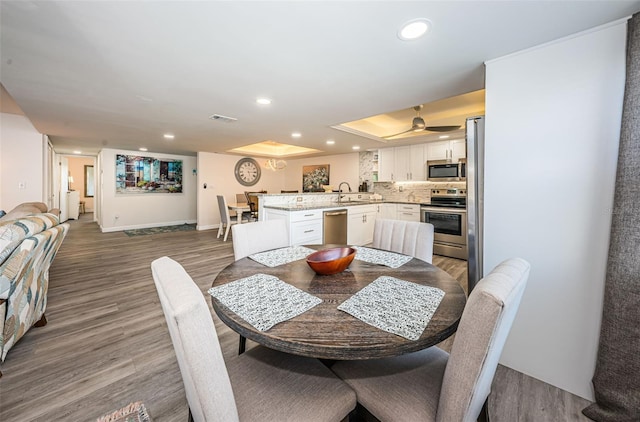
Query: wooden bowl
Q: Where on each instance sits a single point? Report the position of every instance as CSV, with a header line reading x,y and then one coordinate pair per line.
x,y
331,261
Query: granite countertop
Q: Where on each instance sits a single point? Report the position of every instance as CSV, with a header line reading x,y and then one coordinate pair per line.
x,y
323,205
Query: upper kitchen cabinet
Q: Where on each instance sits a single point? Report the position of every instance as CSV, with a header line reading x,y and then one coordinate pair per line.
x,y
446,150
398,164
386,164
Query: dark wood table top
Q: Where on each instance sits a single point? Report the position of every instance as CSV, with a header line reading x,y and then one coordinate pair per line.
x,y
326,332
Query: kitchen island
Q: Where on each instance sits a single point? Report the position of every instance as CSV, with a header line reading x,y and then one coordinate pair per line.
x,y
304,214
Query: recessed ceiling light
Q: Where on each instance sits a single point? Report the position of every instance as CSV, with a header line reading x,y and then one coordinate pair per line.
x,y
263,101
443,136
77,152
414,29
143,149
331,142
355,147
296,134
169,136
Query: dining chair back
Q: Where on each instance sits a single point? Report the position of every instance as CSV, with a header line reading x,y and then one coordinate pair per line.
x,y
408,237
259,236
226,220
252,201
432,385
259,384
241,198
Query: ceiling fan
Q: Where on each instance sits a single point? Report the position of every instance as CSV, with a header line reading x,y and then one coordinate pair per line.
x,y
418,125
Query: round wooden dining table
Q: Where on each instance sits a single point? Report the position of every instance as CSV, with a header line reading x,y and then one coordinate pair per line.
x,y
328,333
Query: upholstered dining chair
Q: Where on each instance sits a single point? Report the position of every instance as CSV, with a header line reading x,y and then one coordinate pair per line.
x,y
259,236
259,385
241,198
408,237
432,385
226,220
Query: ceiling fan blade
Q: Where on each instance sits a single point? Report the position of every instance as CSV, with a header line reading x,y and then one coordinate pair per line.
x,y
441,128
398,134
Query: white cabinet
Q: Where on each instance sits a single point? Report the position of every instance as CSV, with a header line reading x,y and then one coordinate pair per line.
x,y
305,227
386,164
73,204
408,212
401,163
361,219
401,167
446,150
387,211
417,163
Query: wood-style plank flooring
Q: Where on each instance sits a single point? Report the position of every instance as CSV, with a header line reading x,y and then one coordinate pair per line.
x,y
106,343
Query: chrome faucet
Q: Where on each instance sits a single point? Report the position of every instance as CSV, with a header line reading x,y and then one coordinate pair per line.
x,y
340,190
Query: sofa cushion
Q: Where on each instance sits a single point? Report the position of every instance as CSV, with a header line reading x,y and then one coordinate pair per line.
x,y
14,231
24,209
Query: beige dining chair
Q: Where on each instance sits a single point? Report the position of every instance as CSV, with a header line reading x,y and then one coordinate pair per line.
x,y
408,237
259,236
259,385
432,385
226,220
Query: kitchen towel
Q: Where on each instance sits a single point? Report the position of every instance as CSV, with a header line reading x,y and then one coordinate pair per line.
x,y
281,256
377,256
264,300
395,306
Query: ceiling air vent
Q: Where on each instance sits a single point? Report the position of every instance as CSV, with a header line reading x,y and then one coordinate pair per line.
x,y
222,118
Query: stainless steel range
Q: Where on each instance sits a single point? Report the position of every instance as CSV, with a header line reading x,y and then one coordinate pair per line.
x,y
448,214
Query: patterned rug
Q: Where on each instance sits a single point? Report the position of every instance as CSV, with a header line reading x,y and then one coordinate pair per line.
x,y
165,229
133,412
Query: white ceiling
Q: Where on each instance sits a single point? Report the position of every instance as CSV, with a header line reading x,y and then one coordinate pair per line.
x,y
121,74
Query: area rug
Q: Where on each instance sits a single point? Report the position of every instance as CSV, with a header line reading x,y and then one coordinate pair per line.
x,y
165,229
133,412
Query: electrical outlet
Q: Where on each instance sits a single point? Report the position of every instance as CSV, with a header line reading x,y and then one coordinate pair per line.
x,y
299,199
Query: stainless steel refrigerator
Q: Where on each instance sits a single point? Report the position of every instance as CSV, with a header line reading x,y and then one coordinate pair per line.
x,y
475,197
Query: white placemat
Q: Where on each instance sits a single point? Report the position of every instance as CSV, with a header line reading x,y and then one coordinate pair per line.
x,y
281,256
395,306
376,256
264,300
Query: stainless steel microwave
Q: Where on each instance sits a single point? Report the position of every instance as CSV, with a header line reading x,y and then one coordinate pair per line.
x,y
446,171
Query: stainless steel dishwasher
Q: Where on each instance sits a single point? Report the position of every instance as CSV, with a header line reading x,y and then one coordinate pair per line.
x,y
335,227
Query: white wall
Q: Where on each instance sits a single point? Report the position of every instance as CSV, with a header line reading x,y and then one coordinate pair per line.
x,y
130,211
552,131
217,171
342,168
21,162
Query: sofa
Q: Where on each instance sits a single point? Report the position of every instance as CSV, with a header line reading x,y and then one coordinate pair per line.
x,y
28,245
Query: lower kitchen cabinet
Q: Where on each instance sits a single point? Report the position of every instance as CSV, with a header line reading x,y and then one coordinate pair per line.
x,y
361,220
387,211
408,212
305,227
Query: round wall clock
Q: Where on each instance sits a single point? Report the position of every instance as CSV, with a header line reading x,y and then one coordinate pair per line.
x,y
247,171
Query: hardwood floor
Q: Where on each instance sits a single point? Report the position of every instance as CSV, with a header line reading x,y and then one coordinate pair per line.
x,y
106,343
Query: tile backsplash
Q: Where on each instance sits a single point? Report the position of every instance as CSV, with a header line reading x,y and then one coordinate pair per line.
x,y
412,191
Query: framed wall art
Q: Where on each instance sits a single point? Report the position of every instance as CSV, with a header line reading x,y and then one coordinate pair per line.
x,y
137,174
313,177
